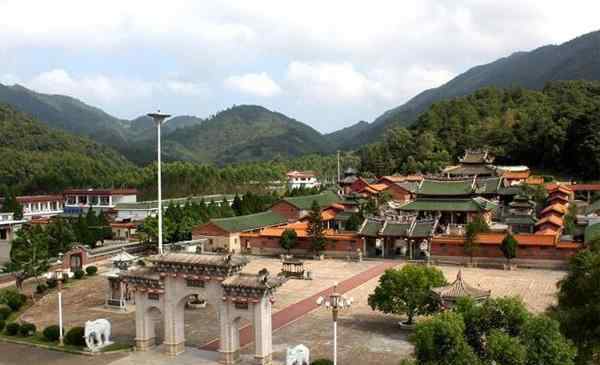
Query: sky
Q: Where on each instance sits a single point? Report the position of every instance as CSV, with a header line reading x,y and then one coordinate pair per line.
x,y
327,63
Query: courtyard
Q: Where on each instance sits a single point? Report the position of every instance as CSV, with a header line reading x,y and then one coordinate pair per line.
x,y
364,336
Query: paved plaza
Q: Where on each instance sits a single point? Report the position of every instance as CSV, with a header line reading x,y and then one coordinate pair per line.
x,y
365,336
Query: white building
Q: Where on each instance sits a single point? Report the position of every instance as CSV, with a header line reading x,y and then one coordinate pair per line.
x,y
138,211
8,228
41,206
80,200
302,179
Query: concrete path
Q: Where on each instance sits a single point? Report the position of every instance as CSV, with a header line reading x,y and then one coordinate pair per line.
x,y
295,311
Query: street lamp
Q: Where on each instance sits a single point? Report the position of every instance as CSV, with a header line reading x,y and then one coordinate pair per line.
x,y
335,302
159,119
58,275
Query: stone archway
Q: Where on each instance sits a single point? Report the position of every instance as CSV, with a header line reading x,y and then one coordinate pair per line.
x,y
172,278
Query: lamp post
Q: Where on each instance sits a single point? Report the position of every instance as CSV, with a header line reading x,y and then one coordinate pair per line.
x,y
335,302
159,119
58,274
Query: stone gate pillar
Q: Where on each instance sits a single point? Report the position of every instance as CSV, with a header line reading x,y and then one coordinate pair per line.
x,y
229,344
263,332
145,337
174,315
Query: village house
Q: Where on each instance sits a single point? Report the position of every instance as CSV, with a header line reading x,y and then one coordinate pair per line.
x,y
302,180
223,234
9,226
41,206
297,207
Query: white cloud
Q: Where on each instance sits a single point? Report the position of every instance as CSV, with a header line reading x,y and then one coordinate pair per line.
x,y
258,84
185,88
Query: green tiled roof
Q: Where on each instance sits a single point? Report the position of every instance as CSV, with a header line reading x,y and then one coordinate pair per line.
x,y
344,216
411,186
446,188
250,222
488,185
520,219
422,230
324,200
395,229
153,204
592,232
371,228
471,170
449,205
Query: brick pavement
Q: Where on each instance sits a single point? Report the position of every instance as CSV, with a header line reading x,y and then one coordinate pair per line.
x,y
299,309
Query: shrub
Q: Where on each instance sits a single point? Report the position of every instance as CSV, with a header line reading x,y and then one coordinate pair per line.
x,y
12,298
51,333
322,362
91,270
27,329
5,312
41,288
74,337
12,329
51,283
2,324
79,274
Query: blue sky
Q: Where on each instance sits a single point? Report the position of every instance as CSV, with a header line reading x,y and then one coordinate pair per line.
x,y
328,64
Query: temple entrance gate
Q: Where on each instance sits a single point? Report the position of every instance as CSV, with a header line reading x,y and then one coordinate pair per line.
x,y
171,278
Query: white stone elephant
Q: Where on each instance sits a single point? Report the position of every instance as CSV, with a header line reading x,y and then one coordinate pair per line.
x,y
97,334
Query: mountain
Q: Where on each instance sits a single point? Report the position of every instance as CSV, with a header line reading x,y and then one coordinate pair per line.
x,y
577,59
348,136
144,123
247,133
66,113
37,158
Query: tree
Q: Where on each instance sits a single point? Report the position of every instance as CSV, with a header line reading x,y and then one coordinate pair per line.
x,y
502,349
440,341
60,237
237,205
545,344
475,227
29,251
578,311
11,204
408,291
509,247
288,239
353,223
316,228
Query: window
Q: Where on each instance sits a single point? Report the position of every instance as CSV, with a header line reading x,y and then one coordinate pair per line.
x,y
153,296
53,206
94,200
71,200
193,283
241,305
82,199
104,200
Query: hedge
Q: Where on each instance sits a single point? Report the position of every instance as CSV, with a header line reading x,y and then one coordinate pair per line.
x,y
79,274
322,362
27,329
13,298
51,333
5,311
91,270
74,337
12,329
2,324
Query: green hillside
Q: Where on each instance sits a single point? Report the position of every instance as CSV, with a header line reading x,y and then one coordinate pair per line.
x,y
578,59
248,133
555,129
36,158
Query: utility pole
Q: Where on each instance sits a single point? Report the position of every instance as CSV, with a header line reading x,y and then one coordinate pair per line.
x,y
159,118
338,167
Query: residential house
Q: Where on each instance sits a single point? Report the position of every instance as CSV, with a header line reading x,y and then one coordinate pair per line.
x,y
223,234
297,207
302,179
81,200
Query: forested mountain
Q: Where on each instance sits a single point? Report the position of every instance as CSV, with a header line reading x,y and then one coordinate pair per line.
x,y
578,59
247,133
347,137
555,129
36,158
66,113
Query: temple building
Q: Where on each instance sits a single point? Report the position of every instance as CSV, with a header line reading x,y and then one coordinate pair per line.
x,y
390,238
473,163
521,215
